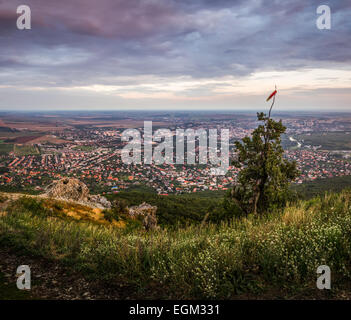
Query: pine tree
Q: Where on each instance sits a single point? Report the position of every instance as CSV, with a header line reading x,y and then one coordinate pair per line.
x,y
263,182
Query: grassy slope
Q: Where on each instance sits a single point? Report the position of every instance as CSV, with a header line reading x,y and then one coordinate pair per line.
x,y
275,255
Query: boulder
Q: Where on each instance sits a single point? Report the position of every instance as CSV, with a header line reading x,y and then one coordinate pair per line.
x,y
100,200
72,189
68,189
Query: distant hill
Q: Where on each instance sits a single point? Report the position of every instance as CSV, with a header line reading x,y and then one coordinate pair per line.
x,y
7,129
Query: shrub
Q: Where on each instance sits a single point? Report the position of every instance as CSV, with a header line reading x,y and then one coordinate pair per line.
x,y
119,209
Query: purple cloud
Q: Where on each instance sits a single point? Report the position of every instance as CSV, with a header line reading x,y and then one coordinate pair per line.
x,y
85,42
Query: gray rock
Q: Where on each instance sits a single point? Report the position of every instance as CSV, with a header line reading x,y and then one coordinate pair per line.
x,y
148,212
71,189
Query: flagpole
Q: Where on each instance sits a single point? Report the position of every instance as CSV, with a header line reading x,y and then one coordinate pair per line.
x,y
269,114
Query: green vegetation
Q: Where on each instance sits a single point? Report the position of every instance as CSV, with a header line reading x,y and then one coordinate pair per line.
x,y
21,189
179,210
85,148
118,210
317,187
25,150
5,148
328,140
7,133
273,254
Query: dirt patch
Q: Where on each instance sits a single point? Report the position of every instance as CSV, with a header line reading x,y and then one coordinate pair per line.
x,y
24,139
51,280
49,139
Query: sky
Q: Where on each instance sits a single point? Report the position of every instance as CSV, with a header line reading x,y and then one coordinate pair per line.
x,y
175,54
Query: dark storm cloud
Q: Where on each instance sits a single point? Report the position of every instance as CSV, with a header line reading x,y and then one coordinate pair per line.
x,y
82,42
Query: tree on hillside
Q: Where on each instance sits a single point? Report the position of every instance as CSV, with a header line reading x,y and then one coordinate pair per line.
x,y
265,174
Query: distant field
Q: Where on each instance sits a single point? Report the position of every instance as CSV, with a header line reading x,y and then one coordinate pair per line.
x,y
30,138
85,148
24,150
46,125
328,140
47,139
34,126
24,139
5,148
16,134
126,123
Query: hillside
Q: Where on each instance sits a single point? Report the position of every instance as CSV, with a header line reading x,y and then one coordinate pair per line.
x,y
275,256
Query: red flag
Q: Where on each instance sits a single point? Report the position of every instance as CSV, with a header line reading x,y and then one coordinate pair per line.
x,y
272,94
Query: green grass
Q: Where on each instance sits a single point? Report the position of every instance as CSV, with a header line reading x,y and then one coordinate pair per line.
x,y
5,148
277,252
85,148
25,150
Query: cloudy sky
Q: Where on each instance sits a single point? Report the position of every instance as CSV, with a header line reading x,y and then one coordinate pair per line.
x,y
175,54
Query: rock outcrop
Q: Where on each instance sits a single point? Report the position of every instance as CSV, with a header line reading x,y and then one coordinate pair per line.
x,y
100,200
71,189
148,214
68,189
